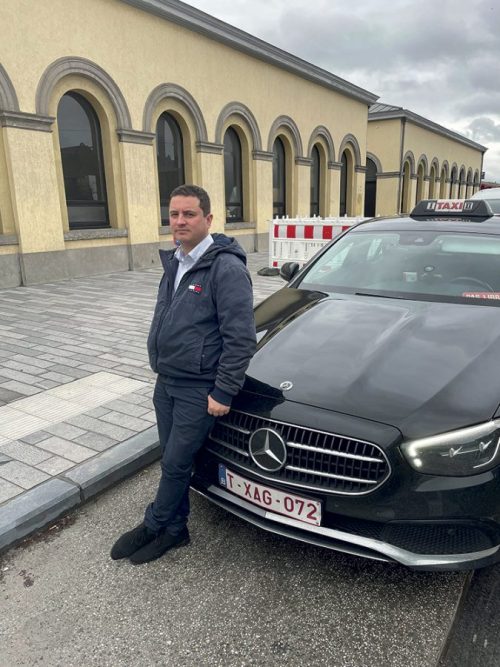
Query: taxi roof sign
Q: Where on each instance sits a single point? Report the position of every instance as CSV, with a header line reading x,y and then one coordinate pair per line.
x,y
457,209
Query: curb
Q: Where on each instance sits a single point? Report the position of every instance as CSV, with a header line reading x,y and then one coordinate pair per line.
x,y
36,508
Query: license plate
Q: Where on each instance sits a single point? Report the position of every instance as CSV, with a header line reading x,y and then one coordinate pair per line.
x,y
288,504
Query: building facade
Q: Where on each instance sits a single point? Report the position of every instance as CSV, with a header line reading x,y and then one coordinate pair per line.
x,y
410,158
107,105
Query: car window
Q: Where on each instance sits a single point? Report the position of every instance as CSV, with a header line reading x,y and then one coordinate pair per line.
x,y
495,205
409,263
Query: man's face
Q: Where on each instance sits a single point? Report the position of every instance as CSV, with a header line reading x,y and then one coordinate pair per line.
x,y
188,224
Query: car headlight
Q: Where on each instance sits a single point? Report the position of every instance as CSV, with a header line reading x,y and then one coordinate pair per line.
x,y
468,451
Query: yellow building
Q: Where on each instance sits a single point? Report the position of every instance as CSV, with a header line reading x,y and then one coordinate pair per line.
x,y
410,158
106,105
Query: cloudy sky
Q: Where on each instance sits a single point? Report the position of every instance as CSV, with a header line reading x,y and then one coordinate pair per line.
x,y
438,59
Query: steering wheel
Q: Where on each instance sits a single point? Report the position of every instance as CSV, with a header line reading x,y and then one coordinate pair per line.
x,y
474,281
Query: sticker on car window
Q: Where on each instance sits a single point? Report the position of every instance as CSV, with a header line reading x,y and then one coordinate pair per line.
x,y
482,295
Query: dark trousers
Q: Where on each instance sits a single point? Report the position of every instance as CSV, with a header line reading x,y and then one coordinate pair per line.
x,y
183,425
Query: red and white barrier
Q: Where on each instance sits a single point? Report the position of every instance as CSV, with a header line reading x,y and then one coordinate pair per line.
x,y
299,239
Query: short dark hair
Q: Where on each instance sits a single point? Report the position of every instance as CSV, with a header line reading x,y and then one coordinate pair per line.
x,y
194,191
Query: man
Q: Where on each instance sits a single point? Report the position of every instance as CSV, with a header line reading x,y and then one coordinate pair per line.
x,y
201,341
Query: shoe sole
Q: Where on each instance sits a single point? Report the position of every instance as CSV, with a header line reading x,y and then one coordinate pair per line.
x,y
184,543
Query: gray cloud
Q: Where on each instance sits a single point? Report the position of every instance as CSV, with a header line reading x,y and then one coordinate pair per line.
x,y
484,129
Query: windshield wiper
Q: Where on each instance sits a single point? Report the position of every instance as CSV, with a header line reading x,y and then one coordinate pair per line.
x,y
383,296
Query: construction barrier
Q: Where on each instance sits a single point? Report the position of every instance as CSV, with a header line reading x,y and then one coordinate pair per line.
x,y
299,239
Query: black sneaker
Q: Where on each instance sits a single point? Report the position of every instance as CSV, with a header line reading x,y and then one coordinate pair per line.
x,y
156,548
132,541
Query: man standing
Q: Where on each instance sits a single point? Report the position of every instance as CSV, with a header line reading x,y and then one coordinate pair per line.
x,y
201,341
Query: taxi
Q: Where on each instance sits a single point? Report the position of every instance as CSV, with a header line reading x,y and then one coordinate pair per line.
x,y
369,422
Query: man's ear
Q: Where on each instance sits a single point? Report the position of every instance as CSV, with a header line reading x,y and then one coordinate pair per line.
x,y
209,218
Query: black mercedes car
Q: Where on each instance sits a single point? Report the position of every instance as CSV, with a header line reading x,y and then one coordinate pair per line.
x,y
369,422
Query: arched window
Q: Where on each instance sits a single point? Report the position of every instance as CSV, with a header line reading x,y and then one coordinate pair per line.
x,y
442,184
343,184
370,188
315,180
420,183
469,190
476,182
82,163
405,190
232,176
432,181
453,180
279,179
170,157
461,184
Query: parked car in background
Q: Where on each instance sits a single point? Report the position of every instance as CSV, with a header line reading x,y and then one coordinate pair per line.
x,y
492,196
369,422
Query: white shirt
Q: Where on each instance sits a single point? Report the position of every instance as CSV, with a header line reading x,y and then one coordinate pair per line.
x,y
186,262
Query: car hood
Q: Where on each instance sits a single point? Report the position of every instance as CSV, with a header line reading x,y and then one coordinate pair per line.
x,y
420,366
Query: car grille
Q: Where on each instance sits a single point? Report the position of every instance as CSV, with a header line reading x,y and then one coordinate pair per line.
x,y
315,459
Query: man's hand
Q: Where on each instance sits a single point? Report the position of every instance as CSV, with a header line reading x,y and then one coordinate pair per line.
x,y
216,409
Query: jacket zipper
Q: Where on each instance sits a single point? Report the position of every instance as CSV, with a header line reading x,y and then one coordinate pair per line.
x,y
169,305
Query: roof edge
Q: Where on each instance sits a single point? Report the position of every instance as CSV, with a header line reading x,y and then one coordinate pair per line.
x,y
204,24
426,124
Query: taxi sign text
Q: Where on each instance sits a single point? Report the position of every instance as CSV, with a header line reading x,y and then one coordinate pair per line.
x,y
450,205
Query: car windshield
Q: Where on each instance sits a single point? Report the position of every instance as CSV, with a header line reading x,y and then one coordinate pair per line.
x,y
440,266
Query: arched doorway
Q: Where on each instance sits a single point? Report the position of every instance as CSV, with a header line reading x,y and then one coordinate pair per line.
x,y
82,163
170,160
370,188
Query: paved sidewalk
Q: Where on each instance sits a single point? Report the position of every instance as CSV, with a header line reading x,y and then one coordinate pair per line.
x,y
75,391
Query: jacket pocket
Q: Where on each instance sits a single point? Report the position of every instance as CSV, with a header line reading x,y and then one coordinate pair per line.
x,y
210,355
180,358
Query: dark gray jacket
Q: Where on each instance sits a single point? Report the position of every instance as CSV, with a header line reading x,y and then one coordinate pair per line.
x,y
204,334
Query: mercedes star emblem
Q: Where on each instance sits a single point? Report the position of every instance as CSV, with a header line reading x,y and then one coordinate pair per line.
x,y
267,449
286,385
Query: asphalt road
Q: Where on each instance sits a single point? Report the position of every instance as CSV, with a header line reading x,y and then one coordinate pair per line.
x,y
235,596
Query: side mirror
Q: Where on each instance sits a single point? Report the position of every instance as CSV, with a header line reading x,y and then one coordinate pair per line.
x,y
289,270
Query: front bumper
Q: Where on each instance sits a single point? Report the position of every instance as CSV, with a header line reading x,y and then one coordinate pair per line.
x,y
352,543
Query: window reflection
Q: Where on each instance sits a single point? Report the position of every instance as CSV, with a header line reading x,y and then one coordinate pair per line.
x,y
279,179
81,155
233,176
343,184
315,176
370,188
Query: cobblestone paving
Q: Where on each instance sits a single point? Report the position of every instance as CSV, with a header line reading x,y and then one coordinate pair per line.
x,y
55,335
